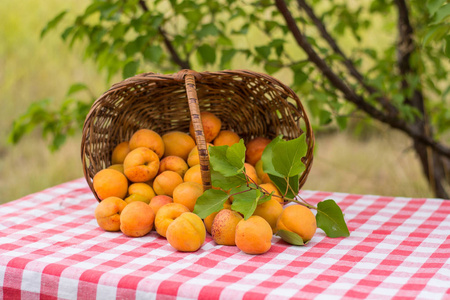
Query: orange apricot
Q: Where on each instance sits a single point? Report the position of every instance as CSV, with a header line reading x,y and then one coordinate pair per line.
x,y
149,139
107,213
109,182
136,219
178,143
251,173
117,167
211,126
193,174
263,176
141,165
255,148
223,228
209,221
159,201
173,163
166,182
298,219
254,235
140,192
226,137
186,233
119,153
269,211
269,188
166,214
187,193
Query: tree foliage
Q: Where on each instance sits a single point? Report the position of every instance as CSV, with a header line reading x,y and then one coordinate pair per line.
x,y
388,59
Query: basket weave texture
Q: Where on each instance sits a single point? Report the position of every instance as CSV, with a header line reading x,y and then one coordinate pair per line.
x,y
249,103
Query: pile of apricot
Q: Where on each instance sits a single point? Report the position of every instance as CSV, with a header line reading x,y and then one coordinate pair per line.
x,y
154,181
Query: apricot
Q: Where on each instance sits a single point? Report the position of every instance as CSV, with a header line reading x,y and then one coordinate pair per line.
x,y
211,126
193,157
255,148
141,165
251,173
136,219
193,174
187,193
173,163
209,221
298,219
269,188
117,167
223,228
107,213
140,192
149,139
110,183
178,143
263,176
254,235
269,211
159,201
166,182
119,153
166,214
226,137
186,233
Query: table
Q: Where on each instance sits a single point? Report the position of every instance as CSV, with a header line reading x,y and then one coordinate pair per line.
x,y
51,247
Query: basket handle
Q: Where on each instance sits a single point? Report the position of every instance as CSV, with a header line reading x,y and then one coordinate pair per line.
x,y
189,77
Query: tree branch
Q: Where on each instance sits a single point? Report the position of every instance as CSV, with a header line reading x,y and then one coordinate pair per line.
x,y
392,110
348,92
184,64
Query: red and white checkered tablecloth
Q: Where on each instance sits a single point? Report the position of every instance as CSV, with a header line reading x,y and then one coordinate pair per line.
x,y
51,247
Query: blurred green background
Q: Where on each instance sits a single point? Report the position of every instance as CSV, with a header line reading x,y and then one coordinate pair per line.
x,y
375,161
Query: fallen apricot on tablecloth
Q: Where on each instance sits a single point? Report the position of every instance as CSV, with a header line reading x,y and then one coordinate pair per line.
x,y
186,233
166,215
136,219
254,235
223,228
107,213
298,219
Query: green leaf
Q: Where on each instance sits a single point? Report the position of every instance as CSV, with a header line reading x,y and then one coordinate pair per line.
x,y
281,184
330,219
236,155
434,5
228,161
227,56
263,51
266,157
76,87
153,53
130,69
226,183
287,155
291,237
442,13
209,202
53,23
300,77
246,202
208,29
207,54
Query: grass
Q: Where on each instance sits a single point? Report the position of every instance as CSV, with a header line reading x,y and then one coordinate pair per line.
x,y
35,69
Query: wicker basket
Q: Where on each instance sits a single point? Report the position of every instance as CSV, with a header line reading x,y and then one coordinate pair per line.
x,y
249,103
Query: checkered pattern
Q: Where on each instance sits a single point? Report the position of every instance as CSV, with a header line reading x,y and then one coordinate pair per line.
x,y
51,247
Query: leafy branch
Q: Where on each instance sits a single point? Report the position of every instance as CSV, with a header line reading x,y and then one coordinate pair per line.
x,y
282,162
